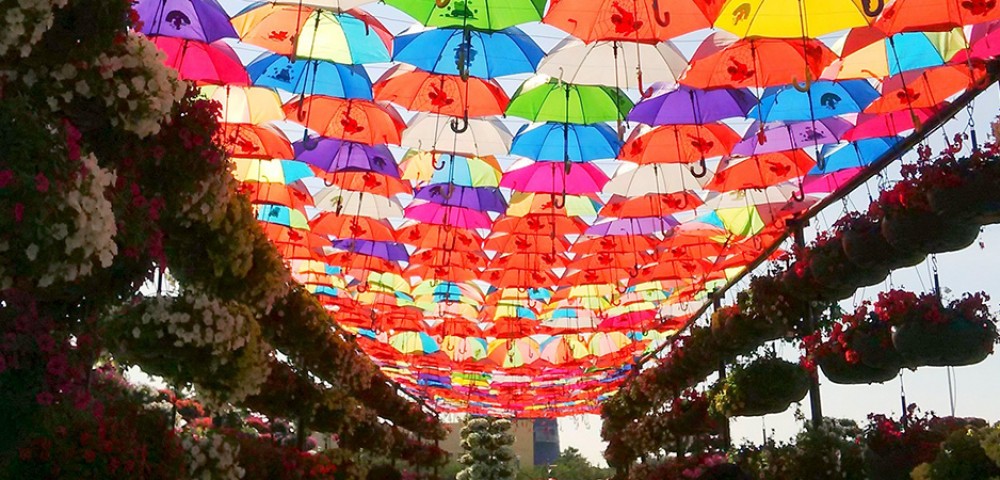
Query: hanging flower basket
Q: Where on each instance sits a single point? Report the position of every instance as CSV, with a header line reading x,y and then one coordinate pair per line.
x,y
872,340
863,244
910,224
689,415
838,370
966,189
831,267
929,333
766,385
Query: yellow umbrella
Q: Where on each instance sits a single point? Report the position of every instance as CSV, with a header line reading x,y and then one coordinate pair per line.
x,y
792,18
464,348
245,104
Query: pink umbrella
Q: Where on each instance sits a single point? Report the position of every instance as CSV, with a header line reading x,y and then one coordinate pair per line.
x,y
202,62
552,177
872,125
829,182
437,214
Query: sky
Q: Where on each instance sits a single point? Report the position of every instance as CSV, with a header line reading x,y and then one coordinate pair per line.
x,y
975,388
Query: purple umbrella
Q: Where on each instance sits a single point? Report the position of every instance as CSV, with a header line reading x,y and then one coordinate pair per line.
x,y
388,251
778,136
201,20
483,199
334,155
692,106
633,226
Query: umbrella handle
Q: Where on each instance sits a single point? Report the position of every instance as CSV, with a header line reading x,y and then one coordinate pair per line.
x,y
803,87
310,143
434,162
873,12
455,125
561,202
663,19
634,271
442,3
645,92
617,301
450,191
362,288
702,173
799,195
621,290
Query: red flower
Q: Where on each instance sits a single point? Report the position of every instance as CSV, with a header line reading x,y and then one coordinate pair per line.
x,y
41,183
18,212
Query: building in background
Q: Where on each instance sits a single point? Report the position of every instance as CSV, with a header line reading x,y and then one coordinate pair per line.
x,y
536,442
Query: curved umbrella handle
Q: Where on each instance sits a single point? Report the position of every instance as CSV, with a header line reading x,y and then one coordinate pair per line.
x,y
329,184
634,271
373,316
803,87
873,12
616,302
645,92
702,173
561,202
460,127
301,114
799,195
434,163
442,3
621,289
448,192
362,288
309,143
663,19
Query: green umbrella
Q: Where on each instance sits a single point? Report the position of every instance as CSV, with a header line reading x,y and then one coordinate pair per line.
x,y
557,101
478,14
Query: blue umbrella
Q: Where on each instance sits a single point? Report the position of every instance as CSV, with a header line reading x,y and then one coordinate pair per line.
x,y
555,141
282,215
828,99
852,154
486,54
920,52
310,77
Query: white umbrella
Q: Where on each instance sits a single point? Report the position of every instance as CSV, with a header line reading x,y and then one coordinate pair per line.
x,y
776,196
590,64
481,137
655,178
363,204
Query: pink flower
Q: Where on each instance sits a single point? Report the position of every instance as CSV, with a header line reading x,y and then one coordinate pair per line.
x,y
6,178
45,398
18,212
41,183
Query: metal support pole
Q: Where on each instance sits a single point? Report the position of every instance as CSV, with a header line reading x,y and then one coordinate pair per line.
x,y
727,437
815,403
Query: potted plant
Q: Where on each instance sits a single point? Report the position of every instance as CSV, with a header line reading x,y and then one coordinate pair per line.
x,y
689,415
966,188
863,244
926,332
766,385
831,268
892,451
840,359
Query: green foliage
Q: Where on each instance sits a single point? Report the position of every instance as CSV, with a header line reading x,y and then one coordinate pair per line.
x,y
487,443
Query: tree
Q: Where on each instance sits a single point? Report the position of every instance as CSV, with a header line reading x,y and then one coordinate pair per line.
x,y
489,456
571,465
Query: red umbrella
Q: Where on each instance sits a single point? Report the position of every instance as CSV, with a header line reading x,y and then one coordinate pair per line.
x,y
760,171
678,143
725,61
347,119
935,15
423,235
926,88
352,226
644,21
245,140
442,94
291,196
650,205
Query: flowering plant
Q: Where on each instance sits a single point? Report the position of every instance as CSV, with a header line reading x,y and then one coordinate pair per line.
x,y
765,385
23,24
211,454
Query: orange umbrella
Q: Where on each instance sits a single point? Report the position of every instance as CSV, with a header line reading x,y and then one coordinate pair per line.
x,y
935,15
423,235
451,273
922,88
686,247
355,120
452,95
522,243
540,224
605,260
368,182
352,226
440,256
278,194
614,244
530,261
678,143
760,171
670,270
644,21
595,276
246,140
512,327
456,327
725,61
514,278
650,205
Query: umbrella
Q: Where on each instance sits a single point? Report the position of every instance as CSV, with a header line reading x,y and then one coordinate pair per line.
x,y
276,193
473,14
523,203
484,199
540,223
606,343
454,51
352,226
413,342
925,88
522,243
760,171
310,77
270,171
552,177
870,53
335,155
775,137
350,202
725,61
609,63
202,62
282,215
680,104
509,353
870,125
852,154
563,349
368,182
442,94
646,21
464,347
336,5
347,119
554,141
201,20
253,141
438,214
422,235
480,136
353,37
393,252
650,205
427,167
792,18
360,265
245,104
935,15
678,143
544,99
984,42
655,178
824,99
633,226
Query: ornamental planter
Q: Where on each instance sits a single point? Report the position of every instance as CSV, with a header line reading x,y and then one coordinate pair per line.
x,y
691,419
765,386
954,343
838,370
976,198
831,268
923,230
876,349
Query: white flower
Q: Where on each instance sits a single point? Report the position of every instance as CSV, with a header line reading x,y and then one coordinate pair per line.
x,y
31,252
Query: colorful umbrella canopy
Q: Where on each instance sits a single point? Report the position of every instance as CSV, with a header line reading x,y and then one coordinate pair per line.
x,y
554,141
788,18
725,61
456,51
442,94
480,136
544,99
200,62
310,77
680,104
588,64
335,155
347,119
645,21
477,14
201,20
